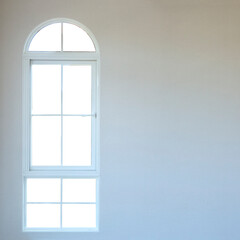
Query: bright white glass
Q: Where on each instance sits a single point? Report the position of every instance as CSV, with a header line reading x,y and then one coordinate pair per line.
x,y
43,216
43,190
46,89
77,89
47,39
79,215
46,141
76,39
77,141
79,190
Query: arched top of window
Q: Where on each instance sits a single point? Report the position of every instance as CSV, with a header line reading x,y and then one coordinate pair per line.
x,y
61,35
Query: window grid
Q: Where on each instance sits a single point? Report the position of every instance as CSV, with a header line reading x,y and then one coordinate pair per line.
x,y
93,115
60,203
61,22
60,172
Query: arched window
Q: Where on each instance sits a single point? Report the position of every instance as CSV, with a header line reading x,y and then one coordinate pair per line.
x,y
60,128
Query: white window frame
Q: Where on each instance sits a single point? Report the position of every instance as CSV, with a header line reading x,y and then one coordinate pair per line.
x,y
89,58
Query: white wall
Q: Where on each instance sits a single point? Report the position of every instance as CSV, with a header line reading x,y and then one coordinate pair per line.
x,y
170,120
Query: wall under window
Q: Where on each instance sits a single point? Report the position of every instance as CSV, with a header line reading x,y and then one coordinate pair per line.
x,y
169,116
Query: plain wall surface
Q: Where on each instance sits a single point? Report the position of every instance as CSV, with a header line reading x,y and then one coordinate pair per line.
x,y
170,116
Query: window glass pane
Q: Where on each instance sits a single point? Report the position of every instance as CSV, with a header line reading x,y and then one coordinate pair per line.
x,y
46,141
77,141
43,190
46,89
77,89
76,39
79,190
47,39
43,215
79,215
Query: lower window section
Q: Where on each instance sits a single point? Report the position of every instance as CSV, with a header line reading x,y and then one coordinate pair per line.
x,y
60,204
79,215
43,216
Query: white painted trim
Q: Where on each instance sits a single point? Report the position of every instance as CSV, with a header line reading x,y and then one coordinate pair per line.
x,y
60,229
61,202
55,172
67,173
79,56
93,118
61,119
59,20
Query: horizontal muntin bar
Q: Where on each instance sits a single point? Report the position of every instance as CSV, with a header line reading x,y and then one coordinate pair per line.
x,y
61,229
61,203
67,115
